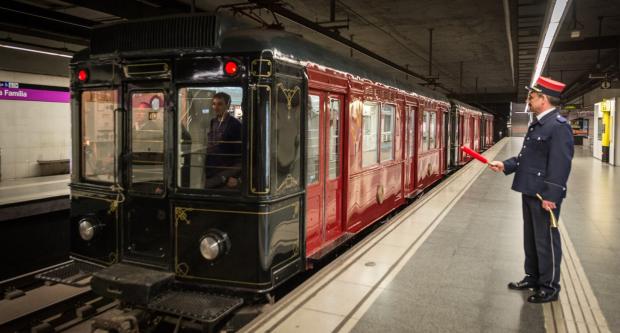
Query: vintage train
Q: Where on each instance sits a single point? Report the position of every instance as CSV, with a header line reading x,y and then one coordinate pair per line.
x,y
212,162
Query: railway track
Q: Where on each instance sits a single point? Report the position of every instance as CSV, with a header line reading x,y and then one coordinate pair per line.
x,y
30,305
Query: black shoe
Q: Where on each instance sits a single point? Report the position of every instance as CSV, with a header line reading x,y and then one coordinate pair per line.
x,y
542,296
523,285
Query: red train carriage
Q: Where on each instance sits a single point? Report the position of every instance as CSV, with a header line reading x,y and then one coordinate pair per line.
x,y
392,148
487,132
468,129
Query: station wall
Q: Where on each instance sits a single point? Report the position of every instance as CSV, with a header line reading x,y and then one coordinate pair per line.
x,y
32,130
596,96
519,120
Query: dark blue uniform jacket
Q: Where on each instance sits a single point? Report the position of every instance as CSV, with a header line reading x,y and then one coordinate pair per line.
x,y
544,163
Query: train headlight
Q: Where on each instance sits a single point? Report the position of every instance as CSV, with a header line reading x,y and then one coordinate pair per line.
x,y
214,244
88,228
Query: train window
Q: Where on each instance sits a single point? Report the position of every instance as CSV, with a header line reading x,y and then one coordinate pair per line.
x,y
456,129
334,138
99,135
387,132
147,141
210,138
425,133
432,131
410,131
312,140
369,143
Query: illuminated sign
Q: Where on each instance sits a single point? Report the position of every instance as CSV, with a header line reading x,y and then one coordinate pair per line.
x,y
33,93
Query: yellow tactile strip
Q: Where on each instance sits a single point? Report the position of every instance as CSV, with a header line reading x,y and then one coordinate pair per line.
x,y
577,309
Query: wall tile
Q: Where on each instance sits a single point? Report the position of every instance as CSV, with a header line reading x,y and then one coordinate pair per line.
x,y
33,169
8,171
22,154
9,154
21,170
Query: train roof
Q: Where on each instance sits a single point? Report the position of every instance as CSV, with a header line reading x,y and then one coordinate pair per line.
x,y
211,34
294,47
458,103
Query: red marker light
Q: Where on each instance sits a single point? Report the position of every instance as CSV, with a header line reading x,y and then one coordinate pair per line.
x,y
230,68
83,75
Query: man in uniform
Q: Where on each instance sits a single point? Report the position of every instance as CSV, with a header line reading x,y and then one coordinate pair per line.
x,y
541,168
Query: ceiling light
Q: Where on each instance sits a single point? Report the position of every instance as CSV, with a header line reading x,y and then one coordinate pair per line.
x,y
559,7
574,34
35,51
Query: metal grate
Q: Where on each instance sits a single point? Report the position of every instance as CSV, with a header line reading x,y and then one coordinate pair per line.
x,y
187,31
195,305
70,274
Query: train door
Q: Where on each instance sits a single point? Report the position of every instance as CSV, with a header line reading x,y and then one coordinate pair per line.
x,y
333,167
146,227
454,147
410,165
477,126
447,135
471,135
481,133
445,139
323,169
463,136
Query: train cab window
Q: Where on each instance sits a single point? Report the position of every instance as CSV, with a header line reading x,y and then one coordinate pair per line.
x,y
370,124
210,150
98,135
334,138
387,132
312,140
432,131
147,141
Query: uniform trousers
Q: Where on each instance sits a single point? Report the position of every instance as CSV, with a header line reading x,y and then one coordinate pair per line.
x,y
542,245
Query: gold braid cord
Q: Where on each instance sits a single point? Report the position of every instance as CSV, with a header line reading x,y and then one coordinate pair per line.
x,y
554,222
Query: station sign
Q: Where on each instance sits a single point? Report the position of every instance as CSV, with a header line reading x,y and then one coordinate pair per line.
x,y
15,91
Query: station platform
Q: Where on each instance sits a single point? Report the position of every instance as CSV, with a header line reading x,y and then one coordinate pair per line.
x,y
35,188
443,264
32,196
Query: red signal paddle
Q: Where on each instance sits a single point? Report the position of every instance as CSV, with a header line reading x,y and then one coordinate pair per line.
x,y
474,154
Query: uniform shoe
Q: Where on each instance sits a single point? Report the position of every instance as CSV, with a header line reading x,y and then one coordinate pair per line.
x,y
523,285
542,296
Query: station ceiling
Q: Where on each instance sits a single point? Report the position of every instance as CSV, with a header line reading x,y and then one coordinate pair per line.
x,y
471,45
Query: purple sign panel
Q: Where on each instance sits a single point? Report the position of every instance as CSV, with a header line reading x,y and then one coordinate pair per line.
x,y
17,92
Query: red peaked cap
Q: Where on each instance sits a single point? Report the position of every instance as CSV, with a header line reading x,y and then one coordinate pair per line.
x,y
545,85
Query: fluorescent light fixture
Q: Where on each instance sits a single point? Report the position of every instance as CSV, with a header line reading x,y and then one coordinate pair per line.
x,y
575,34
35,51
558,11
559,7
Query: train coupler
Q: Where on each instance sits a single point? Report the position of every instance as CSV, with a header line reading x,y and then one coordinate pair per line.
x,y
74,273
202,307
127,321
